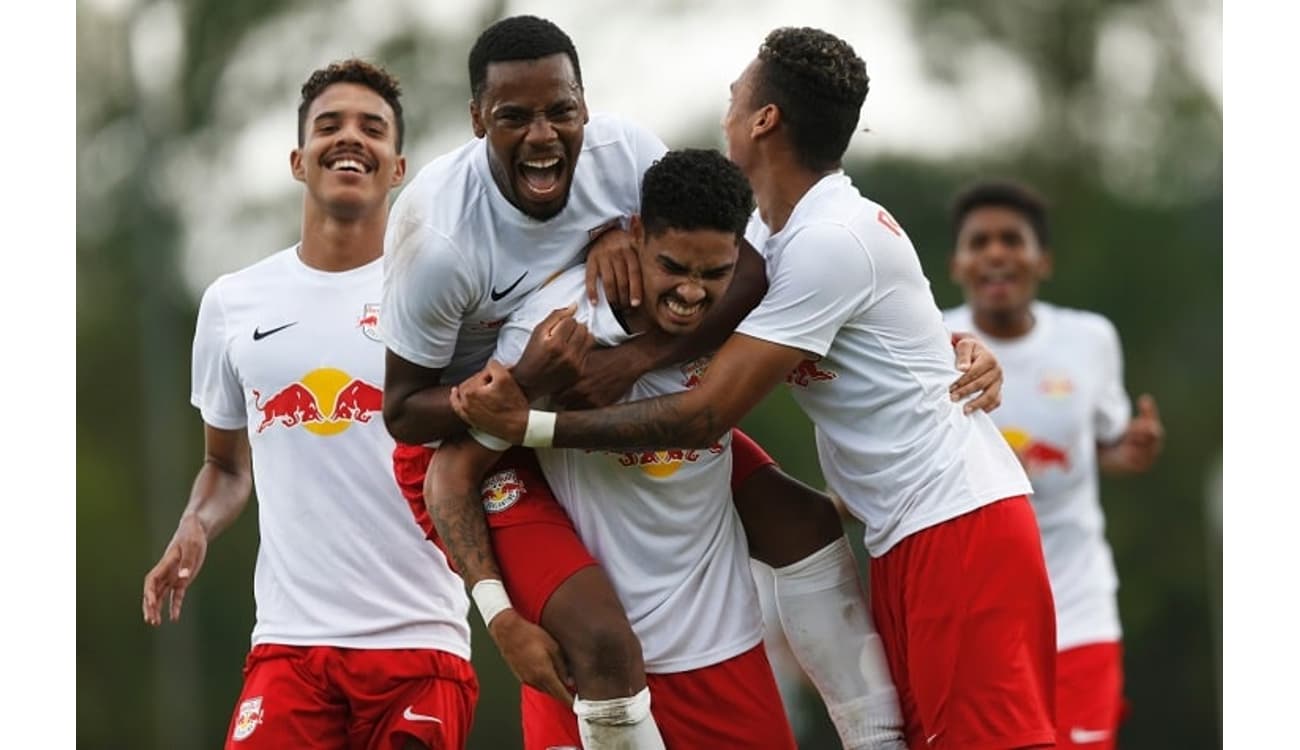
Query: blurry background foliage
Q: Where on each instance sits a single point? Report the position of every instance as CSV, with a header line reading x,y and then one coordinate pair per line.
x,y
1112,109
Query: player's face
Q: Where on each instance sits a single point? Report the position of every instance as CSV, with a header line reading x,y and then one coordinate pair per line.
x,y
998,261
349,160
736,123
532,113
684,272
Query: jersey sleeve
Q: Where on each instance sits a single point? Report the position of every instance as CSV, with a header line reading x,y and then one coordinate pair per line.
x,y
1113,408
428,288
823,277
215,387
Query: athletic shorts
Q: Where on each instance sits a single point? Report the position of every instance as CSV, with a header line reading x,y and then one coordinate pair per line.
x,y
733,704
965,611
524,518
1089,696
365,699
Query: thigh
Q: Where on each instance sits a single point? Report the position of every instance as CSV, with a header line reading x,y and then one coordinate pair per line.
x,y
287,702
547,723
784,519
732,704
980,631
1089,696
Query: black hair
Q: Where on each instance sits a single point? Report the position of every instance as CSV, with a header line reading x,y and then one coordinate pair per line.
x,y
695,189
352,70
1002,194
819,83
518,38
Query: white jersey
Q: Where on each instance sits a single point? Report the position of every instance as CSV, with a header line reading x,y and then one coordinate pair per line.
x,y
661,523
461,258
293,355
1063,392
845,286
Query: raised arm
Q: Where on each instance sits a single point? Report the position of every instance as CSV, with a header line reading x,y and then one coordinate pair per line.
x,y
220,493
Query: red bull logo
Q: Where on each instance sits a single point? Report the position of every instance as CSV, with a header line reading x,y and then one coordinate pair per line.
x,y
501,490
369,322
250,715
693,371
807,372
325,401
1035,455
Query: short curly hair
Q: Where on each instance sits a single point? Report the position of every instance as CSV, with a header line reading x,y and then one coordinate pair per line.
x,y
518,38
352,70
819,83
1001,194
695,188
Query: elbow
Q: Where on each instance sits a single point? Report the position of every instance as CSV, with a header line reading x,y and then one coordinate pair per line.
x,y
398,422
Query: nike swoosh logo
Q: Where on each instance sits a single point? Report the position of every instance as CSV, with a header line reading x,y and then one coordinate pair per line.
x,y
1080,736
259,335
496,296
410,715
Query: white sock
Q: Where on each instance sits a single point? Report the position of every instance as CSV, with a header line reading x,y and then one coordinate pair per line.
x,y
618,723
825,614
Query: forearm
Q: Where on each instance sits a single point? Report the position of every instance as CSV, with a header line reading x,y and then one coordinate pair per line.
x,y
422,416
743,295
219,495
452,495
682,420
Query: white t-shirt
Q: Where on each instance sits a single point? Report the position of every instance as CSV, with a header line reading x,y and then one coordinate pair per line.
x,y
846,287
1063,392
661,523
461,258
293,355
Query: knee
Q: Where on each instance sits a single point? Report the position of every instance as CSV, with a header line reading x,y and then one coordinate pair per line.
x,y
605,658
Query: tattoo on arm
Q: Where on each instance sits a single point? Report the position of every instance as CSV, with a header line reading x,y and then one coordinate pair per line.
x,y
458,517
653,423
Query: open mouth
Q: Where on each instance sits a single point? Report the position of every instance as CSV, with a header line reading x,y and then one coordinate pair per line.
x,y
681,312
542,178
998,281
348,163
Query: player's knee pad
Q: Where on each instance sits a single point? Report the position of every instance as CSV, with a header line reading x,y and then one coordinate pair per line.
x,y
615,711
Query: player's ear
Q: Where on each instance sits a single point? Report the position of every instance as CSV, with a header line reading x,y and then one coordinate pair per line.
x,y
399,171
765,120
296,165
1045,264
476,119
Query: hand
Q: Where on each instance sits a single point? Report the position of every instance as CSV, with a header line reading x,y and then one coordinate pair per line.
x,y
493,402
555,354
176,570
981,373
612,258
532,654
607,376
1141,443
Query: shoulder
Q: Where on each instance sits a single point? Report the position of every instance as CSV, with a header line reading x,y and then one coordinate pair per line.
x,y
443,193
273,269
1079,323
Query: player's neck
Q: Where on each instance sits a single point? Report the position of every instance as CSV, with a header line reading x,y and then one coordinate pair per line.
x,y
779,187
1004,324
333,244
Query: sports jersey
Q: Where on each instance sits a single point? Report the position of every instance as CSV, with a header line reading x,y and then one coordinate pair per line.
x,y
845,286
661,522
292,354
461,258
1062,393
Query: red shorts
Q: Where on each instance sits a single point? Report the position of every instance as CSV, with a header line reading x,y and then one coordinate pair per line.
x,y
371,699
731,704
1089,696
965,611
523,517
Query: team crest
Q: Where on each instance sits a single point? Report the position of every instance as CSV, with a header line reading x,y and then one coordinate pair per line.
x,y
807,372
250,715
369,322
1056,385
693,371
501,490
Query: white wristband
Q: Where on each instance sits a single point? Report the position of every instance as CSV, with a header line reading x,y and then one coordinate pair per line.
x,y
491,442
540,432
491,598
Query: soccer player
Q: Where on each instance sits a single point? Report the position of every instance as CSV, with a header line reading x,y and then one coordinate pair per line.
x,y
959,590
1067,415
476,231
361,639
661,523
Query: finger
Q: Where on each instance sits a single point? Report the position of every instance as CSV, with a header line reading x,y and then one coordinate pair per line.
x,y
971,383
593,275
987,401
616,285
152,596
965,354
561,331
458,405
178,597
497,370
634,278
550,682
1147,407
